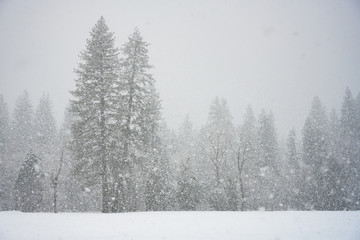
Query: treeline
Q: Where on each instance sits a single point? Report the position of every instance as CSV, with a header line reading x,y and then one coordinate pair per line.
x,y
114,153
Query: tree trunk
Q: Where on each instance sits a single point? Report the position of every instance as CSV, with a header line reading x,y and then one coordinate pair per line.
x,y
104,186
240,165
55,181
55,197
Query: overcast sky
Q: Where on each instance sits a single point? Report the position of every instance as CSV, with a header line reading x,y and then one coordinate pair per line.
x,y
275,55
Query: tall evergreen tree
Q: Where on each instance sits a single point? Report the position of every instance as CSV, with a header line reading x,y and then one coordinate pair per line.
x,y
29,185
22,125
348,130
94,109
293,173
4,127
140,105
268,169
349,150
70,193
44,128
357,154
337,198
245,152
217,137
21,140
5,171
138,120
182,161
316,158
44,144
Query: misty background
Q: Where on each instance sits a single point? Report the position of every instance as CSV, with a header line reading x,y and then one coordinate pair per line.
x,y
275,55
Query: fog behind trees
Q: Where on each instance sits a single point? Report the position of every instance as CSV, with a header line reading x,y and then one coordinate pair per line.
x,y
261,53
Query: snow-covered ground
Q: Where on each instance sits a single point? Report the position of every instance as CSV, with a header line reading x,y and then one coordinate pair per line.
x,y
181,225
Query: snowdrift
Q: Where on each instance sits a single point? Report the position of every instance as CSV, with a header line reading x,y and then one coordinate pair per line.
x,y
181,225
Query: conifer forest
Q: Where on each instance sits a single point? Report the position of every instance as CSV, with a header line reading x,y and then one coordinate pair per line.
x,y
114,152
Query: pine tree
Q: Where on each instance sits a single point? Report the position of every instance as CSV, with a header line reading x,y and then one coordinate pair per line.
x,y
139,110
337,198
349,150
22,125
348,130
94,109
186,168
217,137
245,150
70,192
357,153
268,169
153,152
44,128
315,156
44,143
267,140
29,185
21,140
293,173
138,120
5,172
4,127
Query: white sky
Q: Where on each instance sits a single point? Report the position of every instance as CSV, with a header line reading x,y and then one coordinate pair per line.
x,y
272,54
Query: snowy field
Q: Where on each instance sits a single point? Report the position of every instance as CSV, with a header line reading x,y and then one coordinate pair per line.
x,y
181,225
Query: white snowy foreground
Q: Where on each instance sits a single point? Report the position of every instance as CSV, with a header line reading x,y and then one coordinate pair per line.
x,y
181,225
